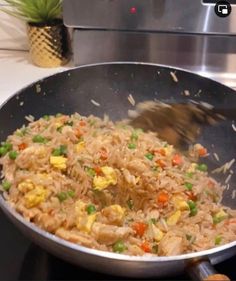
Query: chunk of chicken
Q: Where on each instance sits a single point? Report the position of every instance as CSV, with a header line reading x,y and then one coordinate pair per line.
x,y
76,237
171,245
113,214
109,234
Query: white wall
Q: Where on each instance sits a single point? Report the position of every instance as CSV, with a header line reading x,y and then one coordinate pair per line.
x,y
12,32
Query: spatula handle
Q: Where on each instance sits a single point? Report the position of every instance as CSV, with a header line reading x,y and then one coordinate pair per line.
x,y
202,270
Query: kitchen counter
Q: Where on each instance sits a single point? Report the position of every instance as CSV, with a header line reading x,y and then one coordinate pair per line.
x,y
16,72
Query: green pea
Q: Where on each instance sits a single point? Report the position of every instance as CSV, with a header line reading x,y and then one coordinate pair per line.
x,y
7,145
3,151
91,209
191,204
69,123
193,208
218,240
217,219
56,152
90,171
71,193
188,237
134,136
149,156
59,129
13,155
193,212
6,185
46,117
39,139
153,220
189,185
189,175
155,249
131,146
62,196
202,167
130,204
119,247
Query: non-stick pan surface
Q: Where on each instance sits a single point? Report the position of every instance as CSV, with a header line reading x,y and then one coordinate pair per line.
x,y
110,85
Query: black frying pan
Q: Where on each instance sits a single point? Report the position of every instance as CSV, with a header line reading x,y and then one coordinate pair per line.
x,y
110,85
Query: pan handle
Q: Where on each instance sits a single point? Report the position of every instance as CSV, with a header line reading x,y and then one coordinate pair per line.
x,y
204,271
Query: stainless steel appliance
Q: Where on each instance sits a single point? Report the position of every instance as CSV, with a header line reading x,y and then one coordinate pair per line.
x,y
181,33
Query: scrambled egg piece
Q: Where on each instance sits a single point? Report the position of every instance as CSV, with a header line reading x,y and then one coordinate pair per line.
x,y
114,213
118,209
26,186
168,150
221,215
180,204
109,178
157,233
80,146
80,207
85,223
173,219
192,168
58,162
35,196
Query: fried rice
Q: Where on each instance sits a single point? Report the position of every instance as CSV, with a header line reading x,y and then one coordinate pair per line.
x,y
111,187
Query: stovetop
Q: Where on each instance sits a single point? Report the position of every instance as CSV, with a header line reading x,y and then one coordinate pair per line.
x,y
22,260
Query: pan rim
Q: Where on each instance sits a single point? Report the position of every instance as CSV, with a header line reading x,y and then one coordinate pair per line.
x,y
37,81
5,206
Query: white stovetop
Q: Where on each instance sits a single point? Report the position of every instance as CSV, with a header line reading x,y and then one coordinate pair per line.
x,y
16,72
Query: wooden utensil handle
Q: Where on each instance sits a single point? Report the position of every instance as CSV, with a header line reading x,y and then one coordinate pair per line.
x,y
202,270
217,277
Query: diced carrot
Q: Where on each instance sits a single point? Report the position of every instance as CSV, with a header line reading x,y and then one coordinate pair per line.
x,y
139,228
202,151
22,146
145,246
177,160
210,184
161,163
103,154
162,198
82,123
98,171
78,133
160,151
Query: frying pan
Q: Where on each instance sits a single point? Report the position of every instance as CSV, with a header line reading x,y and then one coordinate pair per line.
x,y
110,84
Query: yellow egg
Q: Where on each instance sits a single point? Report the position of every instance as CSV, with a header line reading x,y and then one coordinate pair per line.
x,y
79,207
35,196
158,234
221,214
192,168
168,150
58,162
80,146
109,178
179,203
119,210
85,223
173,219
26,186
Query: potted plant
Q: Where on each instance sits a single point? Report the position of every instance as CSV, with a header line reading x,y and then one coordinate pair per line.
x,y
48,37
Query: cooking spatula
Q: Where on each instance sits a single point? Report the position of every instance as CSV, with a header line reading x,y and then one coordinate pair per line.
x,y
180,123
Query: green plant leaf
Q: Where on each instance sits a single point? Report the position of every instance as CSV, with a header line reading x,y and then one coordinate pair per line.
x,y
36,11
